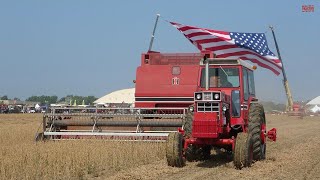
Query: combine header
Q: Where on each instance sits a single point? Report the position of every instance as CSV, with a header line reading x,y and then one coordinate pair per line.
x,y
143,124
193,102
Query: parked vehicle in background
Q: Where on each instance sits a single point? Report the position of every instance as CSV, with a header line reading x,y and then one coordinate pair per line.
x,y
31,110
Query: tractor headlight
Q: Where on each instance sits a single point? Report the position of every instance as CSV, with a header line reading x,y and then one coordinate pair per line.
x,y
224,108
191,108
198,96
216,96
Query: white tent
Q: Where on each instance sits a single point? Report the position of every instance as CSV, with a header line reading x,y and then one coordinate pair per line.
x,y
315,101
37,107
120,96
315,109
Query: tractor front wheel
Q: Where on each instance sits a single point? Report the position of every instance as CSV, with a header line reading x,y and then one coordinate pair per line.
x,y
174,150
187,126
257,124
243,151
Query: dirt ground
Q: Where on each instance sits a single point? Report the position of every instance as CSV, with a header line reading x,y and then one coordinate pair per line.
x,y
295,155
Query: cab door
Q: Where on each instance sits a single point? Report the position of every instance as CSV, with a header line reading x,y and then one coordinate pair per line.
x,y
244,105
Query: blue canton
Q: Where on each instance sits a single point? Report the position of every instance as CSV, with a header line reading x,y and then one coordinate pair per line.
x,y
254,41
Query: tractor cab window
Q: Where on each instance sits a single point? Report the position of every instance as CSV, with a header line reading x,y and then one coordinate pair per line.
x,y
245,84
221,77
251,83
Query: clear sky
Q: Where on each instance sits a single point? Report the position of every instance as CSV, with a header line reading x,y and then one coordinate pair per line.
x,y
84,47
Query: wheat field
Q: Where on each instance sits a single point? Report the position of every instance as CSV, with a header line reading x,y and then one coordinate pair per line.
x,y
22,158
295,155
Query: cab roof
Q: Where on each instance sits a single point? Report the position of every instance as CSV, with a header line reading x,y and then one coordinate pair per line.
x,y
227,61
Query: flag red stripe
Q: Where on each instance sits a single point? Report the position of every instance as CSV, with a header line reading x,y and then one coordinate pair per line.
x,y
217,38
260,64
186,28
197,34
223,47
204,41
241,53
277,61
217,31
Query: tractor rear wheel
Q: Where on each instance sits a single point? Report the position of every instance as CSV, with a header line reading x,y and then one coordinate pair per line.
x,y
174,150
256,122
243,151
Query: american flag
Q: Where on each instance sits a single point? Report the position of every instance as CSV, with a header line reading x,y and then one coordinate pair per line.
x,y
246,46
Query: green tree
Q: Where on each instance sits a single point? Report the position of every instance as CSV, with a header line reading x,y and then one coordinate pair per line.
x,y
43,99
5,97
269,106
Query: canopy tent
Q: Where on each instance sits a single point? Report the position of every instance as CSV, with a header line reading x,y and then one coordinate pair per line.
x,y
315,109
37,107
120,96
315,101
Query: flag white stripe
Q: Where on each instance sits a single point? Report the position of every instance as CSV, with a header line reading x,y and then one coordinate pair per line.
x,y
250,56
215,44
222,40
203,37
234,50
213,35
178,26
270,57
190,31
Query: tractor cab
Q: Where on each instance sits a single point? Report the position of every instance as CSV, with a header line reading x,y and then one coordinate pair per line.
x,y
225,114
225,89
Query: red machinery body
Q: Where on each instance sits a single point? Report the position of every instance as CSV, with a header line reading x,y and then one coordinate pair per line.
x,y
171,80
297,111
167,80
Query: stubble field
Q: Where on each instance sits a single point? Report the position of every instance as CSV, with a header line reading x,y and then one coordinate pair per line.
x,y
295,155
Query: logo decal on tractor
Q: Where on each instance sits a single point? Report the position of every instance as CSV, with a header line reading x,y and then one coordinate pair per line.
x,y
175,81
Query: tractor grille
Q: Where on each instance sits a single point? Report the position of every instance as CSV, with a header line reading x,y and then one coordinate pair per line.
x,y
208,107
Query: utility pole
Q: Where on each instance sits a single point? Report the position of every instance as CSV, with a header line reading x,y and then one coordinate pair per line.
x,y
285,80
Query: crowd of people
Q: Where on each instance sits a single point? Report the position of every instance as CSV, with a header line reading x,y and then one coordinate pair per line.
x,y
5,109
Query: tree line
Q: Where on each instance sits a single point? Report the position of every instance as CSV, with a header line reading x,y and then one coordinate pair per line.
x,y
54,99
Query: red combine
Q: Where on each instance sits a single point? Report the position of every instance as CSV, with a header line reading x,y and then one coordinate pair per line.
x,y
191,101
297,111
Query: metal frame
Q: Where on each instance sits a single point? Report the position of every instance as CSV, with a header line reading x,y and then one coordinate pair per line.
x,y
94,119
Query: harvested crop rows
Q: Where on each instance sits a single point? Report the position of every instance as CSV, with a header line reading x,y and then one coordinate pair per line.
x,y
295,155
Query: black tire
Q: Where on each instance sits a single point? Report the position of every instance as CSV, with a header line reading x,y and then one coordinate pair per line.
x,y
174,150
187,126
256,120
243,154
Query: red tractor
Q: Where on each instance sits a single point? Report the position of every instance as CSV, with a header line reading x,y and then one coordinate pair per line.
x,y
223,110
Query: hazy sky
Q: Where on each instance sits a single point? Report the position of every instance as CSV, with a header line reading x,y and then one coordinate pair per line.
x,y
84,47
